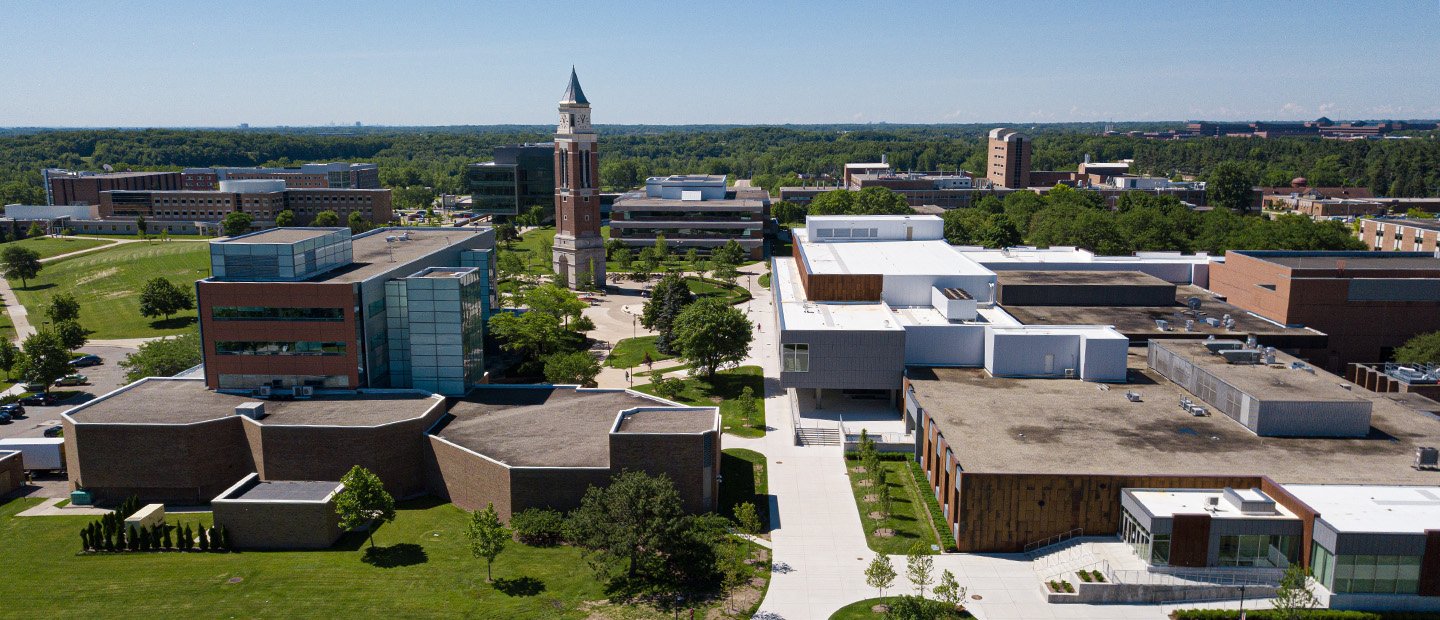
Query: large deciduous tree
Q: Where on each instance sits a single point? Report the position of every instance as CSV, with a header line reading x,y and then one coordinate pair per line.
x,y
44,359
1230,185
163,357
668,299
21,262
62,307
161,297
326,219
236,223
710,334
1420,349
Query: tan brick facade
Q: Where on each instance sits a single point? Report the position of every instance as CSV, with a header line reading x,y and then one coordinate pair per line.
x,y
12,471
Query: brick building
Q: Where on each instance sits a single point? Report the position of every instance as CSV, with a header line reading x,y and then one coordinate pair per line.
x,y
12,471
66,187
293,308
1400,235
333,175
692,211
579,252
263,200
1368,303
279,514
1009,158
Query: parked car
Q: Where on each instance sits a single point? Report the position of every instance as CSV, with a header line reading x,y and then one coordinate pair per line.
x,y
87,360
55,431
15,410
35,387
72,380
39,399
4,418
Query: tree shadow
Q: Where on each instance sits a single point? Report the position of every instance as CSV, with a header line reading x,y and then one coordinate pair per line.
x,y
38,286
519,586
402,554
174,322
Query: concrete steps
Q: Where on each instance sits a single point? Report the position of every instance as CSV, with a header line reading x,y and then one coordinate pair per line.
x,y
817,436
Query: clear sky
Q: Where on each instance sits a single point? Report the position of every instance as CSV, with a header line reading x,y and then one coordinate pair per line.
x,y
417,62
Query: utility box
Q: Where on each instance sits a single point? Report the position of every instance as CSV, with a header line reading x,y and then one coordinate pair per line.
x,y
149,516
81,498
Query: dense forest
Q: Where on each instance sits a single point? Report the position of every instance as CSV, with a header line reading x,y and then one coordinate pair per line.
x,y
432,159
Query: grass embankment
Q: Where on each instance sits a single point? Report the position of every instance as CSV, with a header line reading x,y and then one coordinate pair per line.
x,y
909,520
55,246
723,390
630,352
107,284
746,479
865,610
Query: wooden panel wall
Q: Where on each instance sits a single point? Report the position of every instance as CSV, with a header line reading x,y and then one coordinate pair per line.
x,y
1307,514
837,287
1430,565
1190,540
1003,512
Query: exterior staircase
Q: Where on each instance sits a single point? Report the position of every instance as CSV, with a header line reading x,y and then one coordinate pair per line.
x,y
812,436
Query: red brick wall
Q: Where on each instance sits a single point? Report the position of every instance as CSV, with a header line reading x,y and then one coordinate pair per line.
x,y
279,525
681,457
467,480
394,452
173,464
278,295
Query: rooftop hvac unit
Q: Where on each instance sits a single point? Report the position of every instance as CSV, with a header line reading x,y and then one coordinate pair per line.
x,y
1189,325
1163,324
304,391
1132,396
1269,355
1427,458
1212,503
1241,356
254,411
262,391
1069,373
1198,411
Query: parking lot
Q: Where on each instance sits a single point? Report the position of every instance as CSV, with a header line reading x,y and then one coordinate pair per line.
x,y
102,379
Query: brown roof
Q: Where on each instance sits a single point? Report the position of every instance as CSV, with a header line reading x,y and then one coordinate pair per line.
x,y
669,420
186,401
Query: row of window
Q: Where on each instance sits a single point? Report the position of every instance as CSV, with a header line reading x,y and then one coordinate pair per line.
x,y
1365,574
795,357
262,313
302,347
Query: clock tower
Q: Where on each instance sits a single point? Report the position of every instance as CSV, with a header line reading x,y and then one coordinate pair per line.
x,y
579,248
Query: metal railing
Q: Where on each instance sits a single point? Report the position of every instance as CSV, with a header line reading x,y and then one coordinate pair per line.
x,y
1031,548
1198,577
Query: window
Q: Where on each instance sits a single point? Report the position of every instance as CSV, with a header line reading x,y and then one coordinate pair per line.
x,y
795,357
1377,574
302,347
260,313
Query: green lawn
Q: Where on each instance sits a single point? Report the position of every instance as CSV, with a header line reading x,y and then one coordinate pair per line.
x,y
107,283
709,288
765,280
725,388
630,352
55,246
529,248
746,479
909,520
428,572
939,526
864,610
153,236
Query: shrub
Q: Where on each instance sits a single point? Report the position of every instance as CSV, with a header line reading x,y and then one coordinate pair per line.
x,y
143,536
204,540
538,527
165,537
1084,575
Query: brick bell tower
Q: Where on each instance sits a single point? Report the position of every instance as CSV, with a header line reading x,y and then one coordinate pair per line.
x,y
579,248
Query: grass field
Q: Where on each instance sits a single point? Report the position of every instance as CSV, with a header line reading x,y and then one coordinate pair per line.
x,y
153,235
723,391
709,288
426,571
107,283
865,610
909,519
630,352
55,246
746,476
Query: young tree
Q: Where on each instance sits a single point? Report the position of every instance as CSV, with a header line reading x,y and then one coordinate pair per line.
x,y
236,223
1294,599
692,256
63,307
920,568
285,218
358,223
161,297
747,405
1421,349
142,228
662,249
71,334
710,333
748,520
624,258
326,219
880,574
533,335
35,231
165,537
9,356
949,590
487,536
887,499
20,262
574,368
204,540
363,501
161,358
44,359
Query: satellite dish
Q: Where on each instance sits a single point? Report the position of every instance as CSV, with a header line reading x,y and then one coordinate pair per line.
x,y
1194,303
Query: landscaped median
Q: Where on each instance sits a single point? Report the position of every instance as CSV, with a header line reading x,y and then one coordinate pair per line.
x,y
631,352
879,608
906,521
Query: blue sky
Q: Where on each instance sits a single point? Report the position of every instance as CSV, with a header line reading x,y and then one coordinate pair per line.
x,y
126,63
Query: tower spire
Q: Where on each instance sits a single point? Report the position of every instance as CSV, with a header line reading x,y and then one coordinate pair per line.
x,y
573,93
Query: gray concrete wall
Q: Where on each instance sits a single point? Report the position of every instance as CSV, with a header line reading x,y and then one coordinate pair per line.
x,y
848,359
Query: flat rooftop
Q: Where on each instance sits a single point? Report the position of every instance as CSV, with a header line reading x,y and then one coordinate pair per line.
x,y
669,420
372,254
1079,278
1265,382
1381,509
1138,322
1424,224
1071,254
540,426
1169,502
187,401
1066,426
890,258
1349,261
281,235
798,312
288,490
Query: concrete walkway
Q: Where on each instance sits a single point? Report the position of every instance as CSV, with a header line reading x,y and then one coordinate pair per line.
x,y
48,508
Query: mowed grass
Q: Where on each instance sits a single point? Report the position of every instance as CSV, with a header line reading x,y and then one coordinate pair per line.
x,y
430,574
55,246
909,520
730,294
865,610
630,352
107,284
746,479
723,390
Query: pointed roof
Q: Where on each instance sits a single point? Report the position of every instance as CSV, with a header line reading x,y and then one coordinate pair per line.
x,y
573,93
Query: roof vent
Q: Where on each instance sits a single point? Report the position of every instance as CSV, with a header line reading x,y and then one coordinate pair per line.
x,y
1427,458
254,411
1250,501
